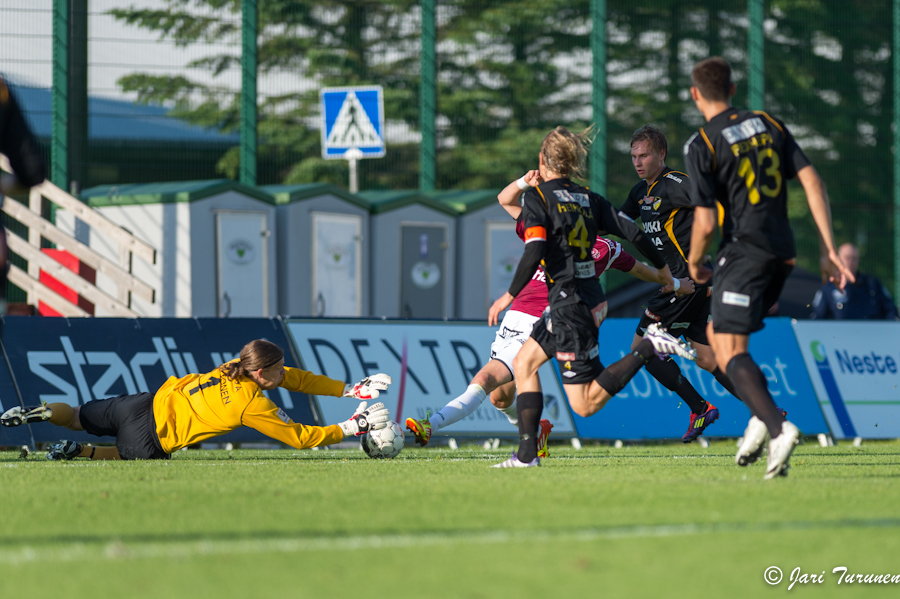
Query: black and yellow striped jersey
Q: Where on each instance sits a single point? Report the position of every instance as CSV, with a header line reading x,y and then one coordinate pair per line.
x,y
667,214
742,160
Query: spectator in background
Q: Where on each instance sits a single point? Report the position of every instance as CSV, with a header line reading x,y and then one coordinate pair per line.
x,y
866,299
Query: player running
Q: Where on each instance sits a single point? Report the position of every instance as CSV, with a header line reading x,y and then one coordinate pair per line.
x,y
662,201
196,407
495,379
741,161
562,219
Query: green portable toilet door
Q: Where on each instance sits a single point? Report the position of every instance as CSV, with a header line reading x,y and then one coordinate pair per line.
x,y
424,273
242,263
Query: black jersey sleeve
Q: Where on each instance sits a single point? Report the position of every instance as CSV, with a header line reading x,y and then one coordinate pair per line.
x,y
700,163
17,141
794,158
618,223
632,204
536,222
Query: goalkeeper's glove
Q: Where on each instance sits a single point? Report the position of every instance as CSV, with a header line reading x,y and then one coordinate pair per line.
x,y
374,418
369,387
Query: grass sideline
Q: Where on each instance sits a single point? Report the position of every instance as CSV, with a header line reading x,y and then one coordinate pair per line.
x,y
638,521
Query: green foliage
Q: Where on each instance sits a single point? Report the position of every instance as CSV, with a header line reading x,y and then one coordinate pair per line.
x,y
508,72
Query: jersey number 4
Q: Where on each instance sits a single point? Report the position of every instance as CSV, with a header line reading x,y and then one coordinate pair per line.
x,y
578,237
746,170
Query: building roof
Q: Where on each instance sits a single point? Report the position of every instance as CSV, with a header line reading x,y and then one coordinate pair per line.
x,y
119,120
381,201
287,194
167,193
465,201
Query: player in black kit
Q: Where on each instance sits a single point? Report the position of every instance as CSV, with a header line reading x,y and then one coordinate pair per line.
x,y
662,201
562,219
740,164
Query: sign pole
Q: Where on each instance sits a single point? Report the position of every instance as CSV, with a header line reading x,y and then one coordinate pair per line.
x,y
353,155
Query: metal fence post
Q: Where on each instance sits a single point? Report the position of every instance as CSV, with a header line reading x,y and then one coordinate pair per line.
x,y
427,170
755,56
59,155
896,69
248,91
598,98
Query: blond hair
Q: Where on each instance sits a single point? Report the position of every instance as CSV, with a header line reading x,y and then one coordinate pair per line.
x,y
565,152
255,355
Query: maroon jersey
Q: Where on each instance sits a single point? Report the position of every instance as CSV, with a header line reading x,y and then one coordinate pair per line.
x,y
606,254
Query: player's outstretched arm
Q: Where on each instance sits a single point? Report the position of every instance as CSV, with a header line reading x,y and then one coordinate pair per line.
x,y
641,271
832,267
701,239
497,307
509,195
369,387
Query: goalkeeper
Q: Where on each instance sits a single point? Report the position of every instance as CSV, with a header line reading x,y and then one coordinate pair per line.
x,y
197,407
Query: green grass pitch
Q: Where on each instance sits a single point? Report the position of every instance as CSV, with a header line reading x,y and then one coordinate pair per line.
x,y
642,521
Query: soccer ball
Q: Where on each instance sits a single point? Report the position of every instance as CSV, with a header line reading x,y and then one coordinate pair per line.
x,y
385,443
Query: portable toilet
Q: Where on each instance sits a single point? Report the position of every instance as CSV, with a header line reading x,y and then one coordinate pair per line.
x,y
487,244
412,255
214,240
323,251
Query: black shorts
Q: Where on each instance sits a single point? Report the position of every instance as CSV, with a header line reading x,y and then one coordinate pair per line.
x,y
128,418
748,282
686,315
570,336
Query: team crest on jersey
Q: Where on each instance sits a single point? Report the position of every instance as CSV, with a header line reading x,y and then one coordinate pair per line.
x,y
565,196
657,203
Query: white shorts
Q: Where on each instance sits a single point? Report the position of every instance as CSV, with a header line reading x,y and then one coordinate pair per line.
x,y
511,336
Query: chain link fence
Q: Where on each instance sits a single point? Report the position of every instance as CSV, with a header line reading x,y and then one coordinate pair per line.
x,y
162,79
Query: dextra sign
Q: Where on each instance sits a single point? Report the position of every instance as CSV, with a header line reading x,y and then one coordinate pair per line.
x,y
855,368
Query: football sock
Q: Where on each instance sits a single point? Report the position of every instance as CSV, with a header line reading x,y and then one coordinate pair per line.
x,y
669,375
530,406
63,414
511,413
752,386
458,408
615,376
726,382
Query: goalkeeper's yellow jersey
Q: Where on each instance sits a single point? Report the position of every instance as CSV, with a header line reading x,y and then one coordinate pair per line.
x,y
195,407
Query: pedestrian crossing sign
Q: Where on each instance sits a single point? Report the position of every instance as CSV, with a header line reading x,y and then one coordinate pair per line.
x,y
352,119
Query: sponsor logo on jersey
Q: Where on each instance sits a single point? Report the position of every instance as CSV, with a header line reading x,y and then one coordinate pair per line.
x,y
581,199
282,415
653,226
651,315
569,374
736,299
680,325
744,130
564,358
585,270
674,178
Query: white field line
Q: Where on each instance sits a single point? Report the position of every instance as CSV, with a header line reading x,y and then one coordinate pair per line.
x,y
136,550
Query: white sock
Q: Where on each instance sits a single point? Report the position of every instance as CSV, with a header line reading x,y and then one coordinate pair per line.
x,y
511,413
458,408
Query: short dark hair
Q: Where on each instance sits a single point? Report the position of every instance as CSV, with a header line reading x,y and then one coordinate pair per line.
x,y
712,76
654,136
